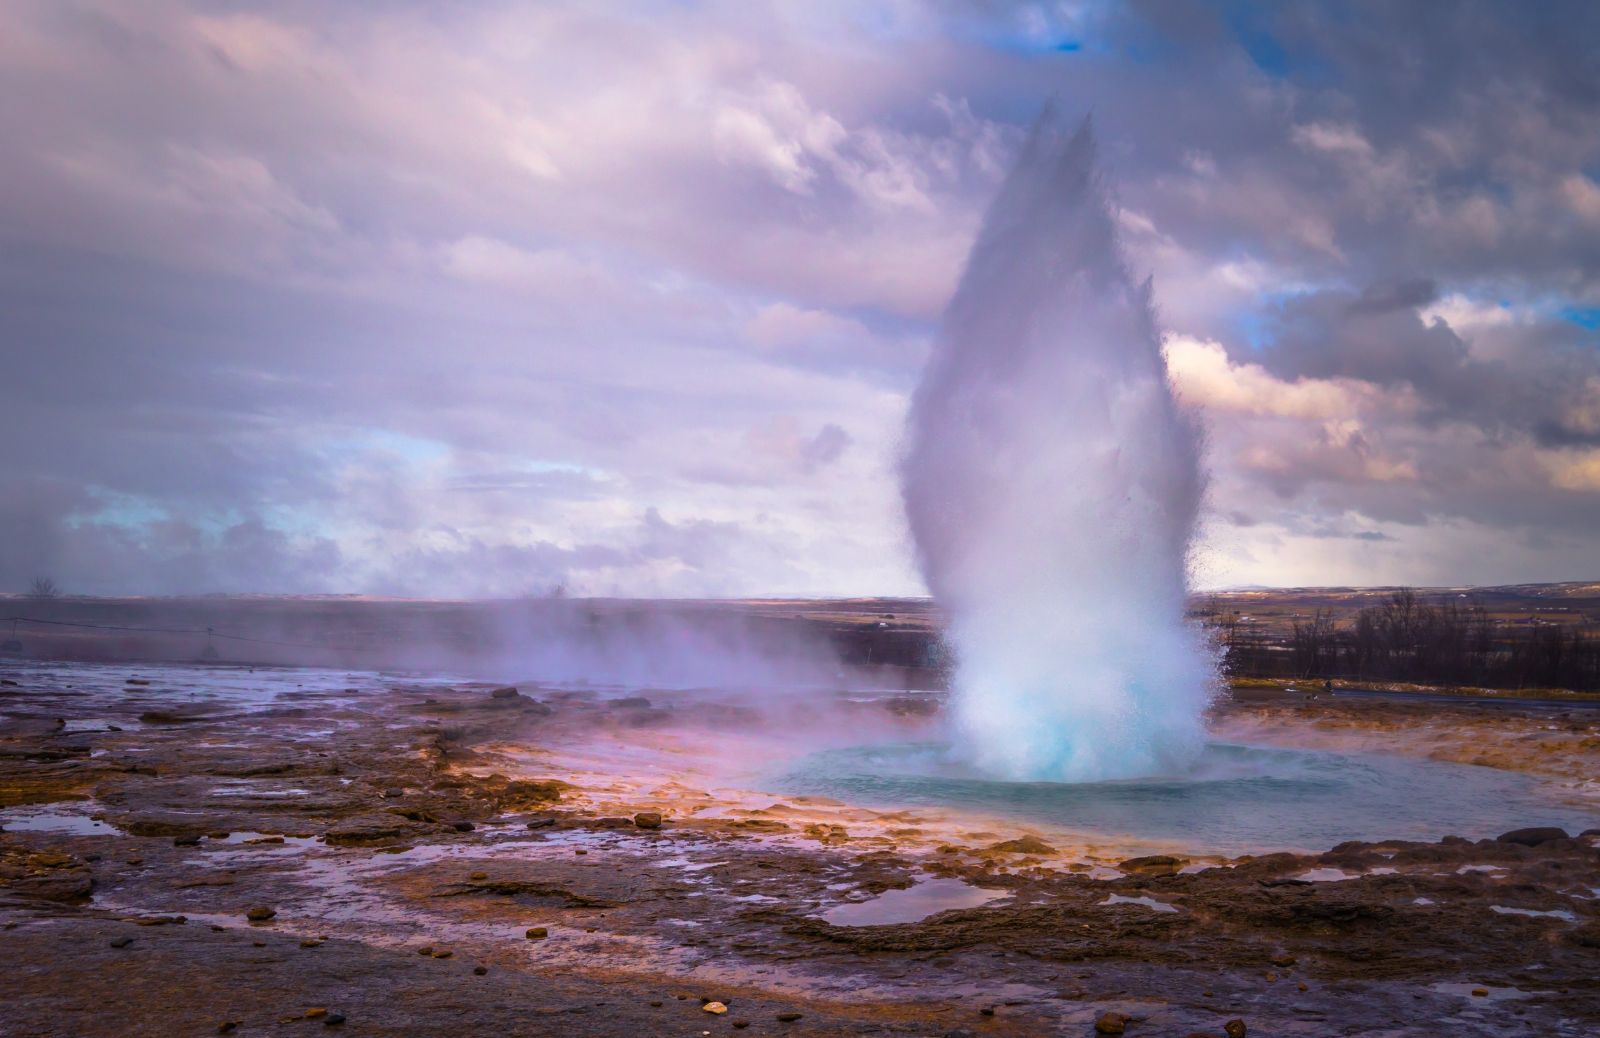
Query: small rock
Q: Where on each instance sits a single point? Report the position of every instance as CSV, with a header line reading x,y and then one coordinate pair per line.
x,y
315,1013
310,942
394,793
480,970
1111,1023
1023,845
580,850
509,692
120,942
789,1017
541,823
1283,960
1153,864
537,933
1480,992
1234,1029
648,819
478,876
228,1026
443,953
716,1008
462,826
1534,836
185,841
739,1025
333,1020
260,914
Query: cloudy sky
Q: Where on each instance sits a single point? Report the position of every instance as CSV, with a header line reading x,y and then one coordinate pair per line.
x,y
429,298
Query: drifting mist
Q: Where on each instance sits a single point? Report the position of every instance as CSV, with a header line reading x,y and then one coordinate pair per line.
x,y
1051,484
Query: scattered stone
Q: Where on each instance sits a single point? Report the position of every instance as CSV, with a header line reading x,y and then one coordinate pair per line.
x,y
260,914
739,1025
789,1017
1533,837
443,953
121,942
310,942
1480,992
716,1008
1234,1029
1111,1023
1283,960
1153,864
478,875
315,1013
480,970
541,823
519,794
612,822
462,826
185,841
136,681
228,1026
509,692
394,793
537,933
580,850
426,949
333,1020
648,819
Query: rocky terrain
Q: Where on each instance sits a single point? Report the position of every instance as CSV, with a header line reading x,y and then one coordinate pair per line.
x,y
391,857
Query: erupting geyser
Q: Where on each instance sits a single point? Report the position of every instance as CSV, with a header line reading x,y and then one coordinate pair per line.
x,y
1051,483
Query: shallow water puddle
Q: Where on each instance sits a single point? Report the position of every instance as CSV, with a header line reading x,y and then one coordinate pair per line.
x,y
913,904
57,820
1147,902
1554,913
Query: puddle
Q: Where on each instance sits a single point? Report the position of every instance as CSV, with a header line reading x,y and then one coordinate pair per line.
x,y
264,841
1147,902
912,904
1463,870
1328,875
1554,913
254,792
57,820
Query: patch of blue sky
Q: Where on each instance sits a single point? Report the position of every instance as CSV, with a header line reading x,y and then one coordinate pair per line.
x,y
1583,316
1253,323
415,449
112,508
1250,23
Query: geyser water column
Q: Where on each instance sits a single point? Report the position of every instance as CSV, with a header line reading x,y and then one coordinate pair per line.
x,y
1051,483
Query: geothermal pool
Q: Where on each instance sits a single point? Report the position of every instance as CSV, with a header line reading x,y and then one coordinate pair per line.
x,y
1236,798
1239,797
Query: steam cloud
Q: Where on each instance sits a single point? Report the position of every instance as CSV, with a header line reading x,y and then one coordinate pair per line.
x,y
1051,484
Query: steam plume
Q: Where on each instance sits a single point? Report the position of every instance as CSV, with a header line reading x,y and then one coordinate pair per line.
x,y
1051,484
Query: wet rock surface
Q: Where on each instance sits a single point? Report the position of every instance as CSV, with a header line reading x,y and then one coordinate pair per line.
x,y
322,851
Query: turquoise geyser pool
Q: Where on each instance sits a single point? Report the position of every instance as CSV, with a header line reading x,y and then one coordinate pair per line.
x,y
1236,798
